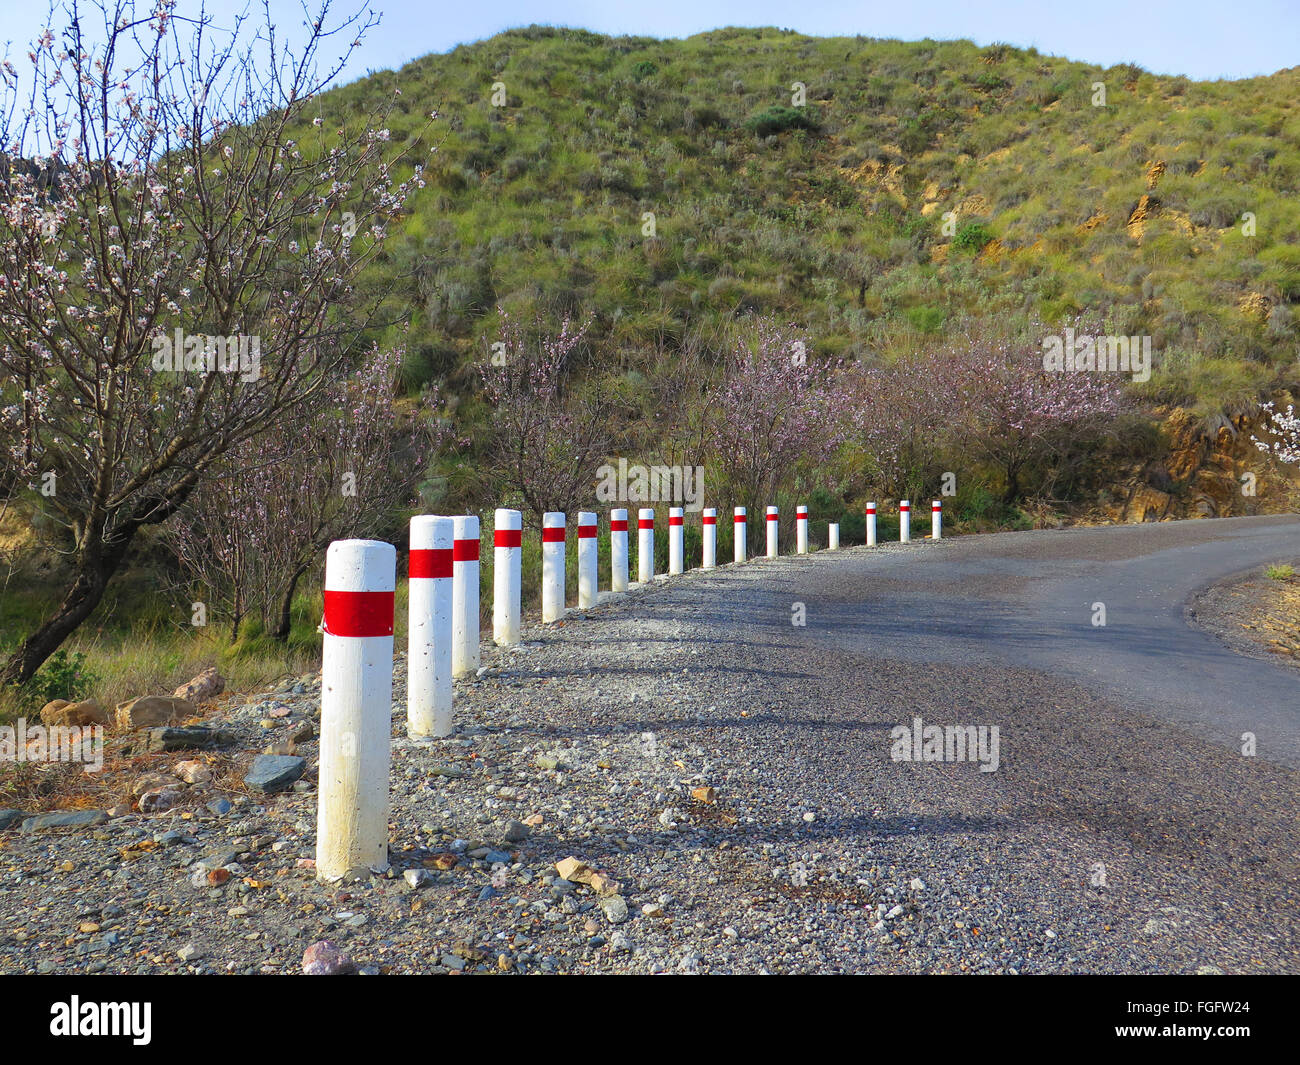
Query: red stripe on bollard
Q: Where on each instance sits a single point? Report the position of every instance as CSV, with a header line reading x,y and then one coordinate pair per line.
x,y
430,562
773,517
645,523
871,510
710,519
674,521
358,613
553,536
616,525
464,550
508,538
904,509
585,532
740,519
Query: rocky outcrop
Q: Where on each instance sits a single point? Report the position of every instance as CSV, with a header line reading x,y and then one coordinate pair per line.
x,y
152,710
207,684
62,712
1211,470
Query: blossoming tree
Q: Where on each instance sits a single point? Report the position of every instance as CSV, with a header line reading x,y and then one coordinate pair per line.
x,y
776,411
250,534
548,437
162,179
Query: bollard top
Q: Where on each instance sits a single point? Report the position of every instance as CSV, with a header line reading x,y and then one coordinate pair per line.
x,y
360,566
938,505
618,515
508,519
466,526
871,508
646,512
585,517
772,510
903,504
710,512
740,512
432,532
676,512
553,519
801,512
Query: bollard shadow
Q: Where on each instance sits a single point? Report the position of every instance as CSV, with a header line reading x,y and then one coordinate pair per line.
x,y
543,848
851,828
700,719
615,671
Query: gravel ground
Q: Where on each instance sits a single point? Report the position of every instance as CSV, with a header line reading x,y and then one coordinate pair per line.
x,y
1107,841
1254,615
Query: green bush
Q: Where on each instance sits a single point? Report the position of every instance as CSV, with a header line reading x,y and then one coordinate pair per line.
x,y
62,677
926,319
778,119
972,237
1282,268
979,509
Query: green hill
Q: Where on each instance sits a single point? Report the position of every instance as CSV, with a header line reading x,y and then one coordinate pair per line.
x,y
1136,214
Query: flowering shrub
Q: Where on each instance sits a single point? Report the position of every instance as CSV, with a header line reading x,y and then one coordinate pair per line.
x,y
547,440
334,472
776,412
1284,428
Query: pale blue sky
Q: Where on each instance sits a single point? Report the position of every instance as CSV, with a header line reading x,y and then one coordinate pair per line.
x,y
1200,38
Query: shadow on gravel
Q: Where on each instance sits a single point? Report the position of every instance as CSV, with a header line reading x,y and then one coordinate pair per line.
x,y
635,727
710,825
598,642
615,671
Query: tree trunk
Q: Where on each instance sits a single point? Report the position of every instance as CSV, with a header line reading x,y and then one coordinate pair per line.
x,y
82,598
1013,483
285,621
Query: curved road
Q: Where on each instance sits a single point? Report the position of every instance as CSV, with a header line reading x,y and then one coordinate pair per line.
x,y
1124,829
1030,599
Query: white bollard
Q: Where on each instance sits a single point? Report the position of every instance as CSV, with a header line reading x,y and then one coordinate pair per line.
x,y
645,545
676,540
772,521
428,634
356,708
618,550
507,577
588,560
709,534
936,520
904,521
552,566
871,524
741,531
832,536
801,530
464,596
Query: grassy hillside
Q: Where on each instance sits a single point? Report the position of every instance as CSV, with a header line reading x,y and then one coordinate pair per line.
x,y
832,214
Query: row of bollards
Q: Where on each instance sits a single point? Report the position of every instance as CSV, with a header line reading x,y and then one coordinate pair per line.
x,y
443,638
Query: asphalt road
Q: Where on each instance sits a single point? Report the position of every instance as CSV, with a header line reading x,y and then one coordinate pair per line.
x,y
1031,599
